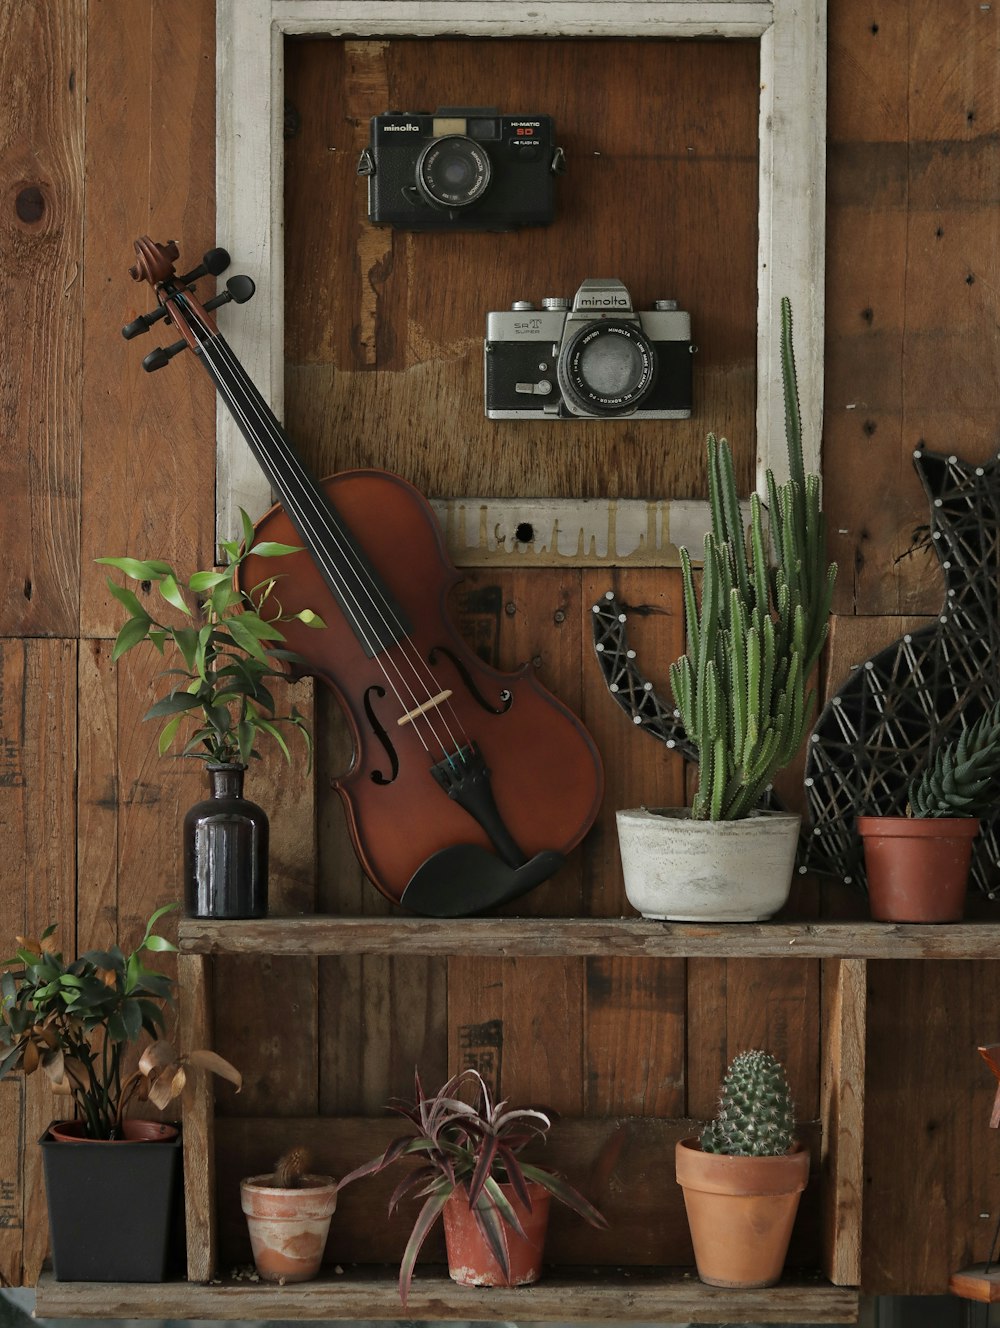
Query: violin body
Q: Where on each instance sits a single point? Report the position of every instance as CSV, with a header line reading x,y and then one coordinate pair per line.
x,y
546,771
468,785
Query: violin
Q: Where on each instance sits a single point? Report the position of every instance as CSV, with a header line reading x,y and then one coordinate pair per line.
x,y
468,785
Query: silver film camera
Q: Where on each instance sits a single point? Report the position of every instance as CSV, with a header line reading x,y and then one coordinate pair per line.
x,y
596,359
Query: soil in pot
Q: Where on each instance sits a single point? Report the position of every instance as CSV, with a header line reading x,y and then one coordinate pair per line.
x,y
288,1225
917,867
741,1211
134,1131
470,1260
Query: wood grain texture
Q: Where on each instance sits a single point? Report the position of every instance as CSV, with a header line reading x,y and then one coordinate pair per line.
x,y
371,1294
146,443
519,1022
43,304
927,1138
196,1031
266,1023
380,1017
38,713
842,1108
914,249
624,938
635,1037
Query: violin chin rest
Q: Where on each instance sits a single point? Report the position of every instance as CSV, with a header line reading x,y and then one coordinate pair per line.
x,y
466,879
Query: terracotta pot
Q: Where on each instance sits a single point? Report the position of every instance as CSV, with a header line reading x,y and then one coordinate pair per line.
x,y
288,1227
706,871
470,1260
917,867
740,1211
133,1131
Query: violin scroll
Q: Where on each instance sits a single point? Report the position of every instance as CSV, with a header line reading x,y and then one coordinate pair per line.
x,y
154,262
155,265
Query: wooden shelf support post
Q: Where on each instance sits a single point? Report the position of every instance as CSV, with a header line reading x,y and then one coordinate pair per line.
x,y
195,1020
842,1112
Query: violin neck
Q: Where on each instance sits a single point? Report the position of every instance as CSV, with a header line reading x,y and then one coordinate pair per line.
x,y
373,615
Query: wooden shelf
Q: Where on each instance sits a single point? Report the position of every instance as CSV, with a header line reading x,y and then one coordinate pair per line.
x,y
638,1295
633,938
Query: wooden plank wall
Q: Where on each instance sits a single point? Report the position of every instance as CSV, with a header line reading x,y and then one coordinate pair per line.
x,y
109,133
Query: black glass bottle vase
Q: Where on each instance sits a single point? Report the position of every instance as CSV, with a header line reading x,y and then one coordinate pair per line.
x,y
225,851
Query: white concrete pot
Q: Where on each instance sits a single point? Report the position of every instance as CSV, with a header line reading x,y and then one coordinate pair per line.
x,y
706,871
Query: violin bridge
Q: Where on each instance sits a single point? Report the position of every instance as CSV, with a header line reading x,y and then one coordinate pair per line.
x,y
422,709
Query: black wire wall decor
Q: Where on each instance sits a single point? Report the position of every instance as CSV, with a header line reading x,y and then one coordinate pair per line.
x,y
875,735
628,687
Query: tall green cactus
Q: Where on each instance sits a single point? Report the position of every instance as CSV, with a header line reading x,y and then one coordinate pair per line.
x,y
756,1115
759,628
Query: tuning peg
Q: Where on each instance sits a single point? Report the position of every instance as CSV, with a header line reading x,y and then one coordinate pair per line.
x,y
214,262
142,324
238,289
156,359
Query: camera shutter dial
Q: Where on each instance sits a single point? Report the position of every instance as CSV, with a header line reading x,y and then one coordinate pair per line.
x,y
453,172
606,368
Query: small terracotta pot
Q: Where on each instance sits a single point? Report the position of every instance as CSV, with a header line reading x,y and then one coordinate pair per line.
x,y
133,1131
740,1211
288,1226
917,867
471,1261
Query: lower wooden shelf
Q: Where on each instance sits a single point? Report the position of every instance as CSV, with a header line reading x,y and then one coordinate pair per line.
x,y
627,1295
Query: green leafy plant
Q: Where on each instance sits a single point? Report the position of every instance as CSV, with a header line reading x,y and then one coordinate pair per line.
x,y
76,1019
230,644
758,627
756,1116
474,1146
962,778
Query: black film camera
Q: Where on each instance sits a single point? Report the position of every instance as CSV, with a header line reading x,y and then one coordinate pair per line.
x,y
462,168
598,359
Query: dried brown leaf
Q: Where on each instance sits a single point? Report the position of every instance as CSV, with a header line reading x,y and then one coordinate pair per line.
x,y
209,1060
157,1056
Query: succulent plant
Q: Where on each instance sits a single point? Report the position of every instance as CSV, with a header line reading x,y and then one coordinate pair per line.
x,y
756,1116
962,778
758,630
291,1168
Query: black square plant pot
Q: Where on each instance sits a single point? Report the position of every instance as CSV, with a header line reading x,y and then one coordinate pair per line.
x,y
114,1208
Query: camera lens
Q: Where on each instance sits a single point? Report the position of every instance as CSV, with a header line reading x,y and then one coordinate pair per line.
x,y
453,172
607,368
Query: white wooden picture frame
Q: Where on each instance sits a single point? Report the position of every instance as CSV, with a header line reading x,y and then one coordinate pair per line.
x,y
792,201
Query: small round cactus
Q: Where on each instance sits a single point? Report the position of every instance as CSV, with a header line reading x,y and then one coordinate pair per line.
x,y
290,1169
756,1116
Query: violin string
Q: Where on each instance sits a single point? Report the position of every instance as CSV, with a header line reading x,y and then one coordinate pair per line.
x,y
386,614
367,632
